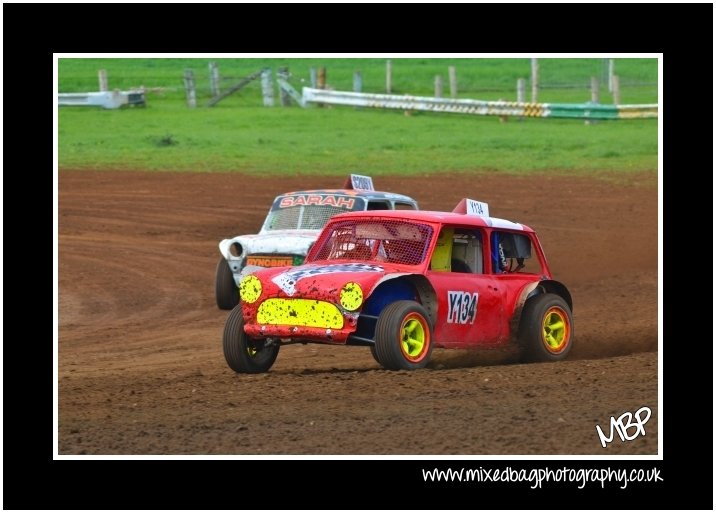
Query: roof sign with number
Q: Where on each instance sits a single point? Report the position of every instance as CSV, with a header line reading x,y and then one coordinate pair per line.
x,y
360,183
472,207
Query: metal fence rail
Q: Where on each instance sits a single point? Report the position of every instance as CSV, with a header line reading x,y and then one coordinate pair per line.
x,y
480,107
104,99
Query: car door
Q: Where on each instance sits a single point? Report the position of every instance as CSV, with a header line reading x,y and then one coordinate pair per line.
x,y
470,302
469,311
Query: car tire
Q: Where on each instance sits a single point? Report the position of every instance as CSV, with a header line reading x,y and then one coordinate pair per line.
x,y
546,329
243,353
403,336
374,354
227,293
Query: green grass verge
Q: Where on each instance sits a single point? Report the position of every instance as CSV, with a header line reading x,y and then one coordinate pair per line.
x,y
240,135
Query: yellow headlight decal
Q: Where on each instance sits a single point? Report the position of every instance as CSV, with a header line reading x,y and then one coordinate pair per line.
x,y
310,313
250,289
351,296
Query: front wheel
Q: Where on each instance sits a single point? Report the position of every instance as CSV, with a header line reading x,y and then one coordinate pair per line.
x,y
546,329
374,354
243,353
403,336
227,293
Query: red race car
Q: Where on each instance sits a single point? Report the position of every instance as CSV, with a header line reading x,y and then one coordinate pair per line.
x,y
403,282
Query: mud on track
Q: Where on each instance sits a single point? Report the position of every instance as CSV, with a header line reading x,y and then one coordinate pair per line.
x,y
141,369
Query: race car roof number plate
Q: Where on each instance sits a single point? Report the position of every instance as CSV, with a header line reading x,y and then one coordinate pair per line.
x,y
477,208
362,182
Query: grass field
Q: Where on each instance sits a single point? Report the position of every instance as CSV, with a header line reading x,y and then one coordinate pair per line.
x,y
241,135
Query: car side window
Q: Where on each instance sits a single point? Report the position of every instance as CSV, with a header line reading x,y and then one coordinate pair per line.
x,y
466,252
459,251
378,205
512,253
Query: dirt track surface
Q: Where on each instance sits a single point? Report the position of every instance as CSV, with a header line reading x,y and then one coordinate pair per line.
x,y
141,370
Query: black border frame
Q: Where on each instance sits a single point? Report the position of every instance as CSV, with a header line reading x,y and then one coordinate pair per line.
x,y
32,480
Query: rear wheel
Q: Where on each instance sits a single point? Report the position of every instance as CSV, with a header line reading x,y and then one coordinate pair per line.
x,y
243,353
227,293
403,336
546,329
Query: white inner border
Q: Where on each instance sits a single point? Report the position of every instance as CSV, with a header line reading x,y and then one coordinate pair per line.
x,y
55,270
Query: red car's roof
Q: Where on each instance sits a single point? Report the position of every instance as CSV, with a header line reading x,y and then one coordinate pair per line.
x,y
450,218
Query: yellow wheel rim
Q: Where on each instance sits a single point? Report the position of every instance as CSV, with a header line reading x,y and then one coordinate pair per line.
x,y
251,349
414,337
555,330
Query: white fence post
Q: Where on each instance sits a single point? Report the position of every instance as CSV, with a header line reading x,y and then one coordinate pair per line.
x,y
611,75
103,80
535,79
190,88
521,92
616,93
314,78
388,76
267,87
214,79
452,73
438,86
357,82
594,86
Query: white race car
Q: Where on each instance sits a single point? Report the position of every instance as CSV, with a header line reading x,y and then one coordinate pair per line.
x,y
290,229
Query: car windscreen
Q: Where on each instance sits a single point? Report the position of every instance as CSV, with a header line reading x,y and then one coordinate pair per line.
x,y
309,211
375,240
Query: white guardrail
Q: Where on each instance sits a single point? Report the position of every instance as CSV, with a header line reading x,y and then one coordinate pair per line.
x,y
480,107
104,99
